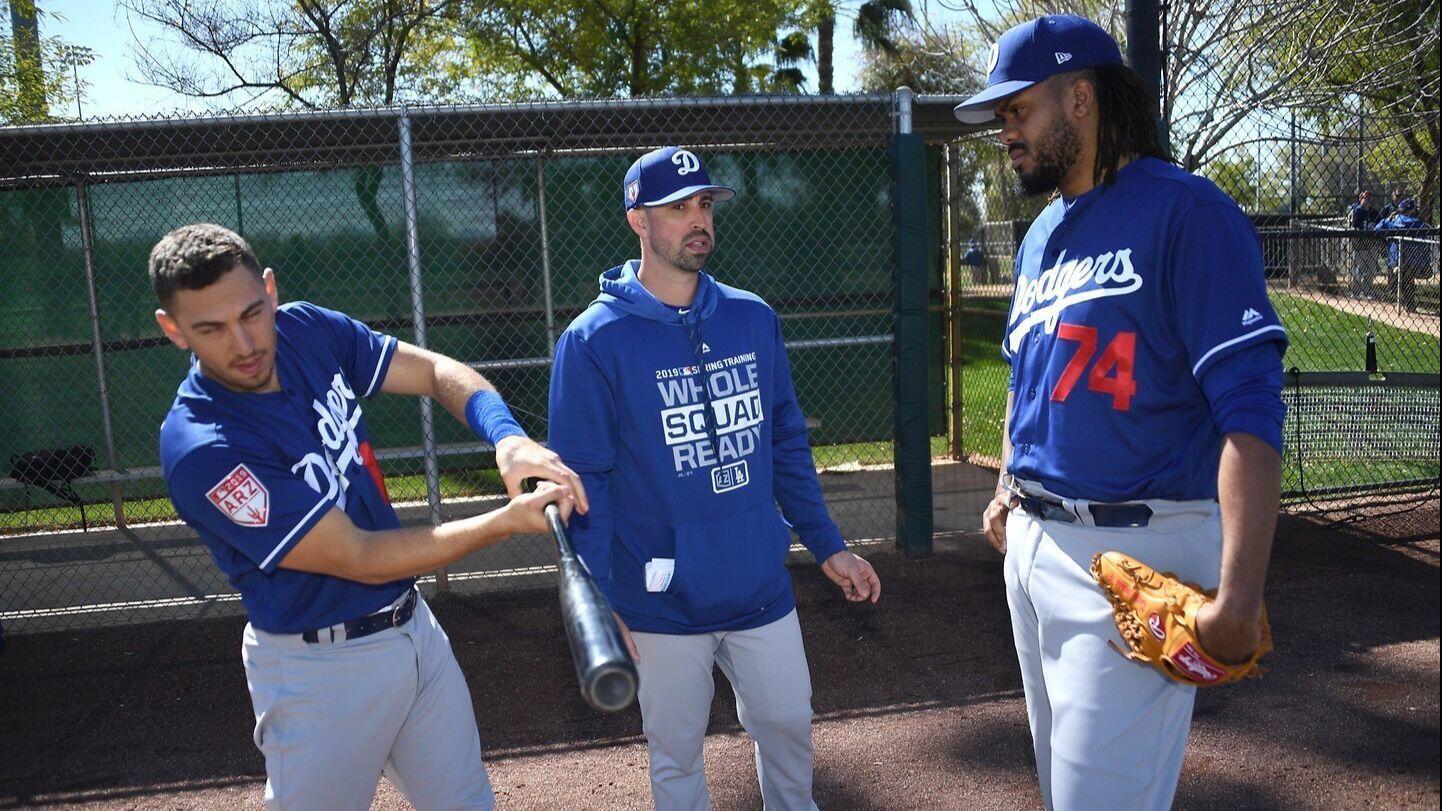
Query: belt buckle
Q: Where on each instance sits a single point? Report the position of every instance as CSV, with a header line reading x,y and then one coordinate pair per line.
x,y
396,612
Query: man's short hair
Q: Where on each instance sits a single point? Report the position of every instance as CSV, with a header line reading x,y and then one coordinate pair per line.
x,y
193,257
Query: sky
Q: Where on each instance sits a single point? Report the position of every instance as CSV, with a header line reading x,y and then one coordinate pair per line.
x,y
115,89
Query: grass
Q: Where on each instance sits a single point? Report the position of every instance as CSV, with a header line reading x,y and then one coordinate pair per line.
x,y
1326,339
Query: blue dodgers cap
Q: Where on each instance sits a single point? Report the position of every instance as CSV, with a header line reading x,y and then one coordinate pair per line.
x,y
666,175
1407,205
1033,52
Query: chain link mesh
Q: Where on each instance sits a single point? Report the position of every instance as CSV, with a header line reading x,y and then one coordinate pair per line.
x,y
517,212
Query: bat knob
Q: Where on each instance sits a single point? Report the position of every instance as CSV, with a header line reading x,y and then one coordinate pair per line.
x,y
612,688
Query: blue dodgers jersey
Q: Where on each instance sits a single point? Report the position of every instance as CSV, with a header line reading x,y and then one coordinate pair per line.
x,y
1125,298
253,473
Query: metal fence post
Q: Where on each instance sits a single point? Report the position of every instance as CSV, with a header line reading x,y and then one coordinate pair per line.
x,y
418,319
545,257
107,425
912,448
955,439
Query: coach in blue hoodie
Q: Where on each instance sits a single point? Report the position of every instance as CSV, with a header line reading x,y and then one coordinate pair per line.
x,y
671,395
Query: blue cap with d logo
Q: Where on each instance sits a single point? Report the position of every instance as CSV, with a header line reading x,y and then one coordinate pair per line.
x,y
1034,52
666,175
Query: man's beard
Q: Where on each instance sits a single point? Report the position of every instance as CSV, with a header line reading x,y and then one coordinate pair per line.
x,y
1055,155
684,259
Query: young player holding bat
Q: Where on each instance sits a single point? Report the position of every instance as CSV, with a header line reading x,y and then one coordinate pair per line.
x,y
671,395
266,456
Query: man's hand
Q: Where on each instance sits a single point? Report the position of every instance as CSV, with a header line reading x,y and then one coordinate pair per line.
x,y
526,512
626,635
993,520
858,581
519,457
1230,636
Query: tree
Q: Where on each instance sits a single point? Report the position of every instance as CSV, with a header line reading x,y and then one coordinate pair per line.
x,y
927,61
874,27
307,53
607,48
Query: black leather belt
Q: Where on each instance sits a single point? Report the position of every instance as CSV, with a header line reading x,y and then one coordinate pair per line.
x,y
1129,514
372,623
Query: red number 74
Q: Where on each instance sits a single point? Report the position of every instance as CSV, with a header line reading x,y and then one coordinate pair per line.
x,y
1118,357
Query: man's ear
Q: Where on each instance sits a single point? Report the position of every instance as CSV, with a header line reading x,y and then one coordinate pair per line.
x,y
636,218
1082,99
268,277
171,329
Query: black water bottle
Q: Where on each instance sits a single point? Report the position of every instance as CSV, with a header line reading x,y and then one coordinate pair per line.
x,y
1371,353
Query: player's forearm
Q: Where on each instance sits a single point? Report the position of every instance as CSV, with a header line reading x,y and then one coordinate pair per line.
x,y
454,383
1249,485
385,555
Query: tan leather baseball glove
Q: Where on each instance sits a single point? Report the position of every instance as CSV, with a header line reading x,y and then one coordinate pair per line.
x,y
1156,614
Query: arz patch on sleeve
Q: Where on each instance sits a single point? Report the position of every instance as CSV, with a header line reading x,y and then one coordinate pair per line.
x,y
242,497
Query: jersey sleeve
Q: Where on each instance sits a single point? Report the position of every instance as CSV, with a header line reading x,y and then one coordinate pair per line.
x,y
1218,290
255,505
365,354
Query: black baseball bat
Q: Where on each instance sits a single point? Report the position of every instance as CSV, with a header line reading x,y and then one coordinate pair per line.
x,y
604,667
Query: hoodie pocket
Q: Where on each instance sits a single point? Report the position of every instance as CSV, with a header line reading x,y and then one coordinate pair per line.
x,y
730,567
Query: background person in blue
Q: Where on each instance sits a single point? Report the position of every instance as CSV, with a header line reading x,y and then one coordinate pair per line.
x,y
1146,387
672,396
1408,260
266,456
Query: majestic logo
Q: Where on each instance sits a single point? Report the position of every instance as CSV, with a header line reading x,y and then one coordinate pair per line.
x,y
705,348
689,163
1062,57
242,497
1250,317
633,190
1191,660
993,57
1070,281
1154,624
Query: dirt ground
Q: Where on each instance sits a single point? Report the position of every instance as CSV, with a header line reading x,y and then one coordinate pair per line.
x,y
918,699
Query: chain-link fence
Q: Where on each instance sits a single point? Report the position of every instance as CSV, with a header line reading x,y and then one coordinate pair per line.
x,y
477,231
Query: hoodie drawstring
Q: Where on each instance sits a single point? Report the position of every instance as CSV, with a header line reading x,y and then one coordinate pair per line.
x,y
693,331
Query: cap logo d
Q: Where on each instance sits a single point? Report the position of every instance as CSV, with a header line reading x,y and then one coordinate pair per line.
x,y
993,57
1062,57
689,163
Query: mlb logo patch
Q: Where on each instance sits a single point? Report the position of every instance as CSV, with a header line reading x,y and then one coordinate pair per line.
x,y
632,190
242,498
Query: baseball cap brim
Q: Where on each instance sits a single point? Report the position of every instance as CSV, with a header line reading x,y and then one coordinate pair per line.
x,y
980,109
718,193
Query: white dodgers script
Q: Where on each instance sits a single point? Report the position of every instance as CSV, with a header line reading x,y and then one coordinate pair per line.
x,y
1070,281
336,420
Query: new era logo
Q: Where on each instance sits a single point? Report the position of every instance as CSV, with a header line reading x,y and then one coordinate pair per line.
x,y
1250,317
1062,57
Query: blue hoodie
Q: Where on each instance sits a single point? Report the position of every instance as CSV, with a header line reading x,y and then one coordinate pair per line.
x,y
628,412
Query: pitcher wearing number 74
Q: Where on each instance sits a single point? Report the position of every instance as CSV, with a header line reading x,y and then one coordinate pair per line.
x,y
1144,414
